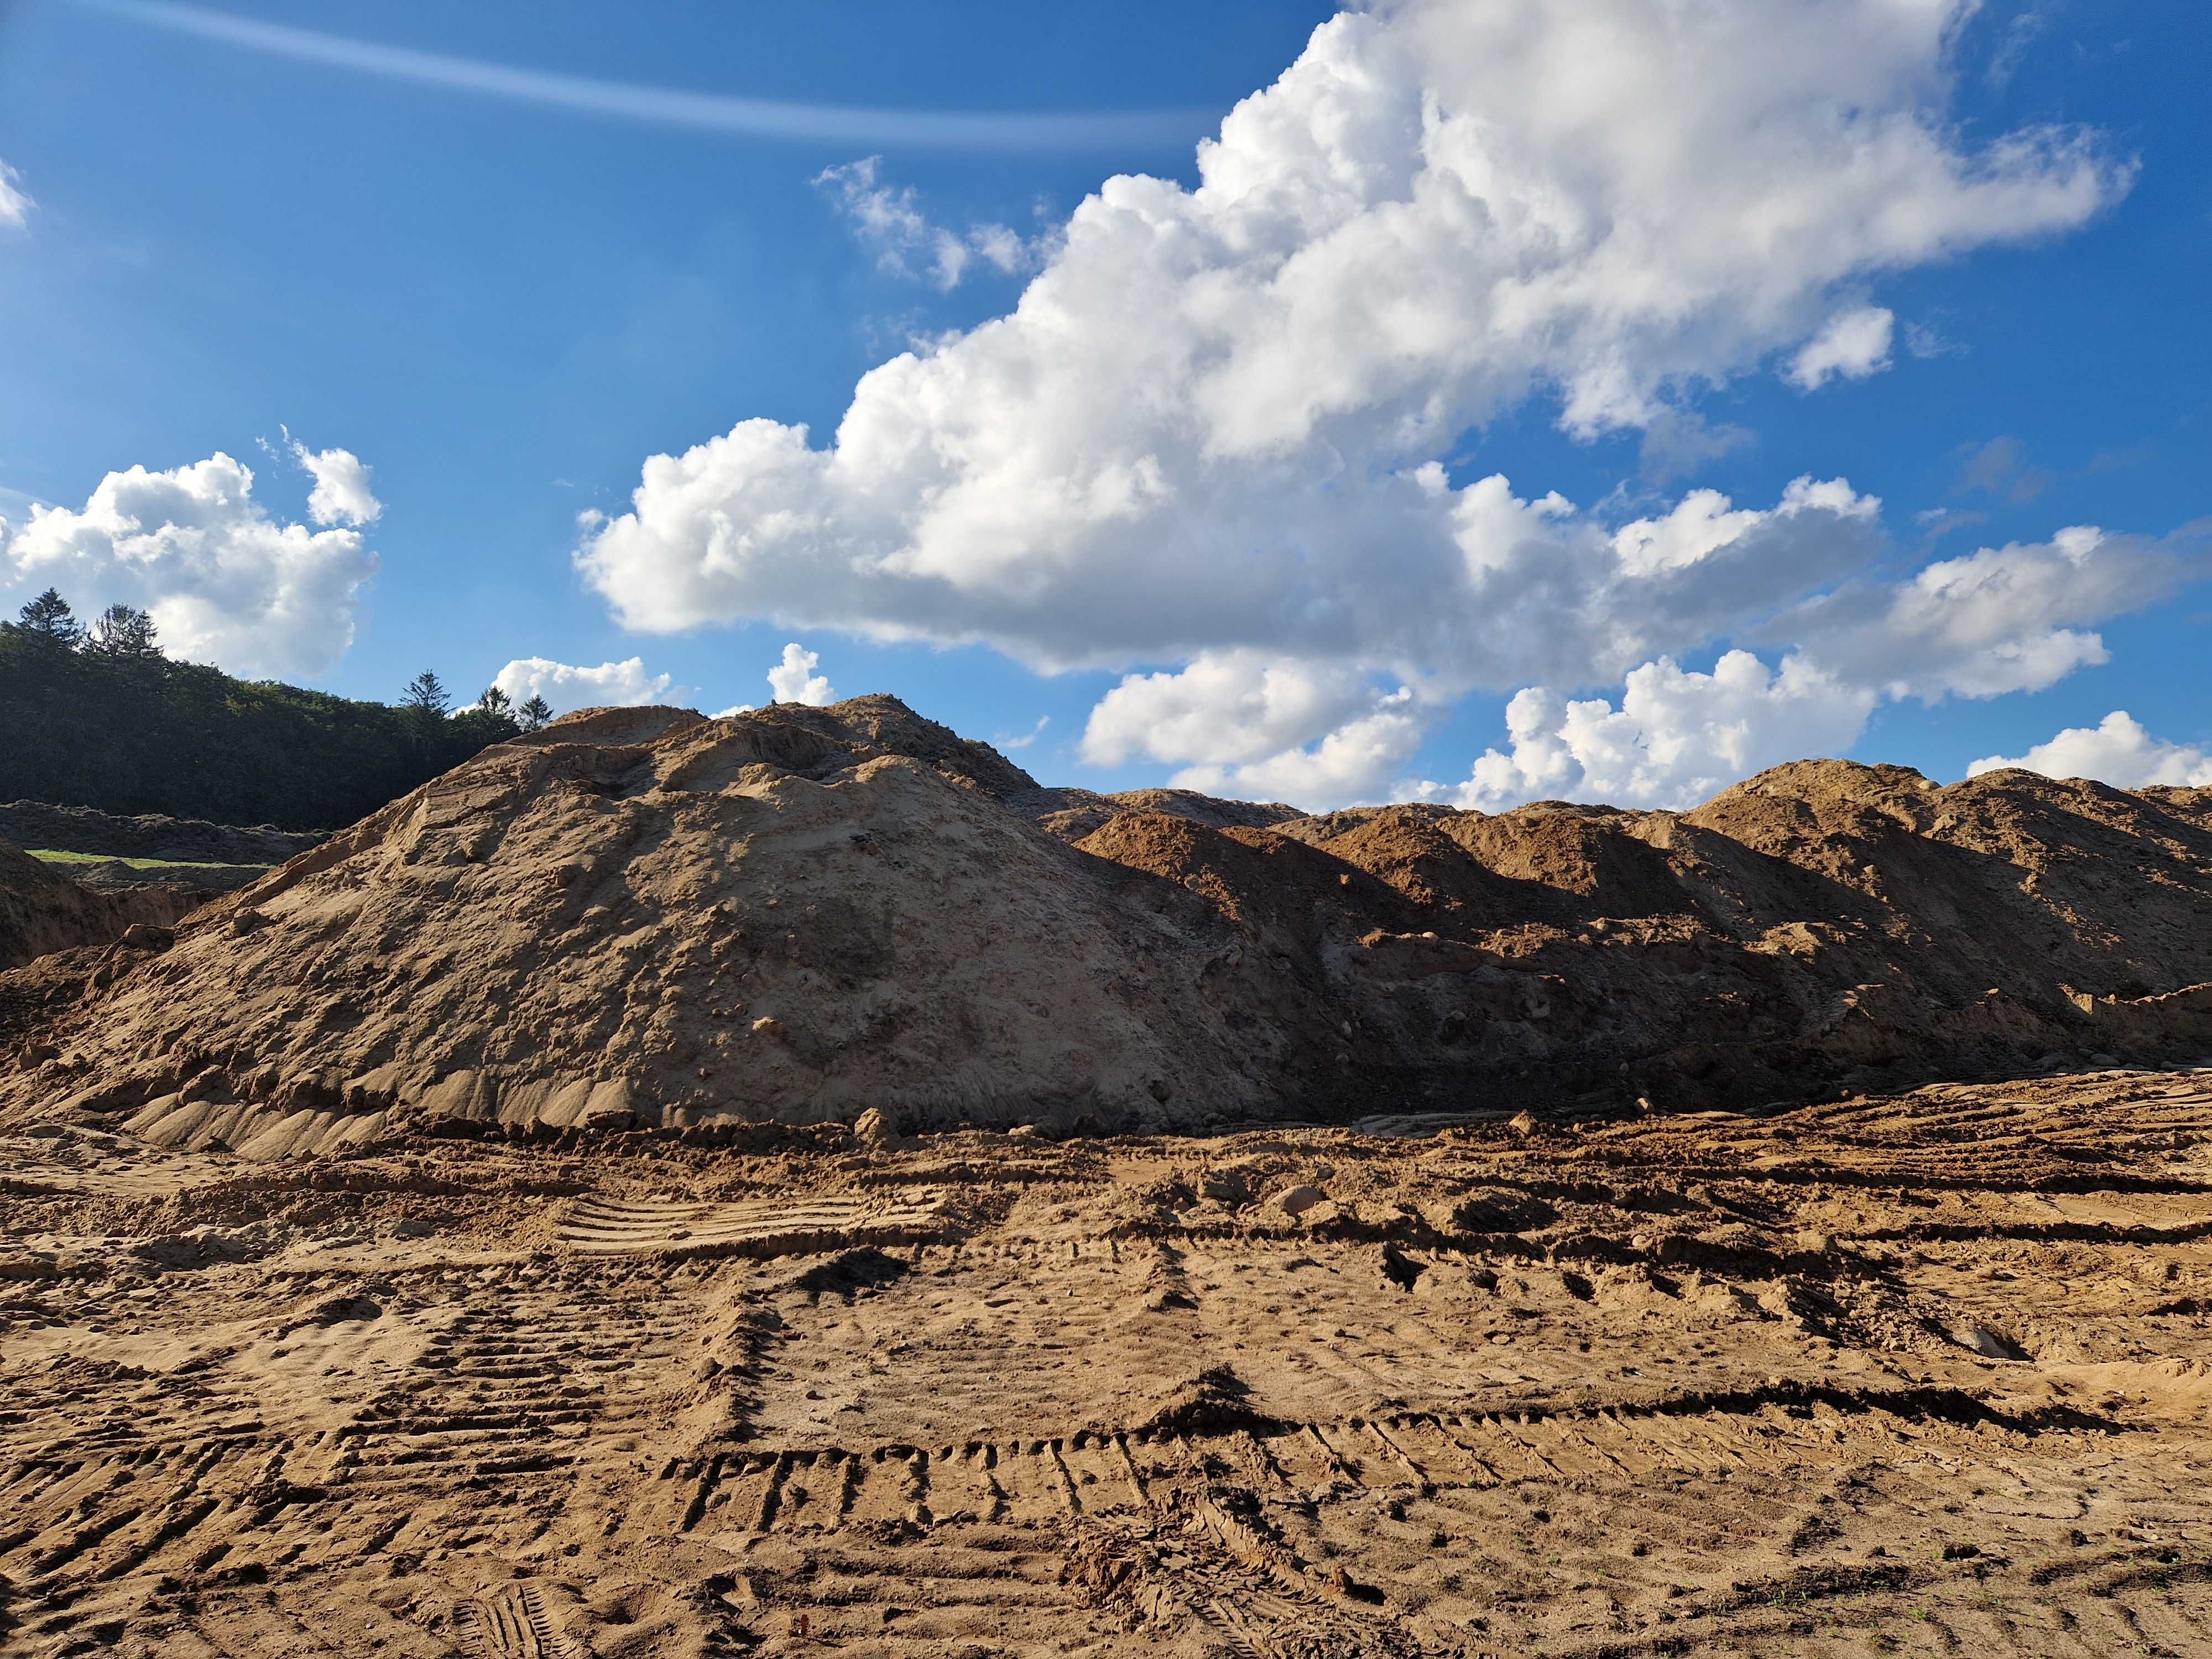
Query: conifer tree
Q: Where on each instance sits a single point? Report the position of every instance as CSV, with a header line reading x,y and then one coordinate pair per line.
x,y
426,695
123,631
49,619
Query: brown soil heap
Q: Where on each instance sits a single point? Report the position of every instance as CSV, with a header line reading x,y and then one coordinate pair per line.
x,y
800,915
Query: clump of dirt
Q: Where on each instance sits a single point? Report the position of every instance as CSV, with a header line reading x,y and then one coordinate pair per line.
x,y
642,918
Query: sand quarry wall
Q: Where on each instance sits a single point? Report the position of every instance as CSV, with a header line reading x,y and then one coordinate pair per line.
x,y
647,917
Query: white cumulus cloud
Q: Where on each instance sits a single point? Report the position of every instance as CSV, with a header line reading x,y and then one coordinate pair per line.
x,y
1853,345
15,205
1622,604
1244,721
1440,210
1346,765
1013,741
1209,439
1225,709
1676,738
890,222
1997,621
2117,750
2002,619
224,582
567,688
793,678
342,493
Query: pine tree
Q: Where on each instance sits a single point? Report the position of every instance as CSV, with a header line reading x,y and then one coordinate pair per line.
x,y
426,695
496,703
534,712
48,618
122,631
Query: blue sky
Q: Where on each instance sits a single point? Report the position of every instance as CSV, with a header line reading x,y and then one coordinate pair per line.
x,y
502,306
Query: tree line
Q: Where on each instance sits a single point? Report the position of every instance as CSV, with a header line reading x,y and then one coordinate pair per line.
x,y
101,716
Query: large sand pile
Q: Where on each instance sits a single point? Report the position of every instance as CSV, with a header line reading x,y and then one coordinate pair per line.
x,y
1824,925
644,914
800,915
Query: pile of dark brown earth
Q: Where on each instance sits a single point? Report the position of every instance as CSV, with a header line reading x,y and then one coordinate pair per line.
x,y
43,910
146,836
646,917
115,854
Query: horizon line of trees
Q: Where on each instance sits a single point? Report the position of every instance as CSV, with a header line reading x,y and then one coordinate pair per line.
x,y
101,716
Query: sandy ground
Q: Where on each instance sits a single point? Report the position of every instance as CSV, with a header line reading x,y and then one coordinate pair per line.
x,y
1919,1375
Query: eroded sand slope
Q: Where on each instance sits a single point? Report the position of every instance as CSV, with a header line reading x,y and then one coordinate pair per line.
x,y
1917,1375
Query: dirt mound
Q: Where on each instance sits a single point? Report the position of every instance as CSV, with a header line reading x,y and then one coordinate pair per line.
x,y
200,881
1327,826
885,726
42,910
645,916
642,916
1574,863
1072,814
1412,852
1284,891
149,835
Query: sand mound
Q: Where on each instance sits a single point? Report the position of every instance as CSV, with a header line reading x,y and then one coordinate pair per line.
x,y
1072,814
643,916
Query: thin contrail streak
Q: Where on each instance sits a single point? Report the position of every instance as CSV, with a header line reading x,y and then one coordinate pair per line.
x,y
667,107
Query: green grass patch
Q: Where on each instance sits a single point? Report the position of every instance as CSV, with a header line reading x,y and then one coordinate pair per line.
x,y
49,855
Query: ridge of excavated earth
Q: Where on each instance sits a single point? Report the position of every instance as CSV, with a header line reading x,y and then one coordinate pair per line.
x,y
1918,1373
642,916
148,836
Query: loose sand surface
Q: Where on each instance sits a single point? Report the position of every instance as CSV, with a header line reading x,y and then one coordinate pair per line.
x,y
1923,1374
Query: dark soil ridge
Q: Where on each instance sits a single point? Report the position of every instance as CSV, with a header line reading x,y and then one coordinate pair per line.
x,y
43,911
149,835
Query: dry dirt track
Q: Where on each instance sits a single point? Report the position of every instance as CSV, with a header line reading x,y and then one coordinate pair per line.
x,y
1923,1376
